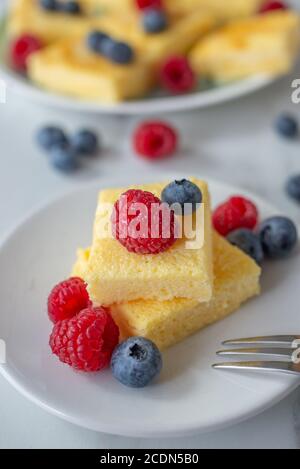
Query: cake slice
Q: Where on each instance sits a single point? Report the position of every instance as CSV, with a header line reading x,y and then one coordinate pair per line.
x,y
264,44
115,275
236,279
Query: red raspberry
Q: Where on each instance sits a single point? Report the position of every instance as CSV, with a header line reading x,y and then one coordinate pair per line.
x,y
154,140
272,5
139,225
177,75
67,299
85,342
21,49
236,212
143,4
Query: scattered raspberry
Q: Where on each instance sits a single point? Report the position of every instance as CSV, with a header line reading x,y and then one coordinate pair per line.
x,y
177,75
142,224
154,140
86,341
236,212
143,4
67,299
21,49
272,6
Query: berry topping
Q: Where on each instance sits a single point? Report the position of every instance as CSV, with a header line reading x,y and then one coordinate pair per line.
x,y
50,136
287,126
95,40
86,341
21,49
272,5
64,159
85,142
183,192
70,7
278,236
154,140
67,299
293,187
50,5
236,212
143,4
142,224
154,20
136,362
248,242
118,52
177,75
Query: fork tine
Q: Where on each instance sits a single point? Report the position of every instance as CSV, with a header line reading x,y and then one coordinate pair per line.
x,y
285,340
267,352
266,366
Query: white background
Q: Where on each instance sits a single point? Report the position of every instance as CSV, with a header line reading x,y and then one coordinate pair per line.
x,y
235,143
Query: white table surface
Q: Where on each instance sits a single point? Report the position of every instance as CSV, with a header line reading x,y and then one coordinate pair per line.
x,y
235,143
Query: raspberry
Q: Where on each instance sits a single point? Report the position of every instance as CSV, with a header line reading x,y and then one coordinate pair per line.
x,y
21,49
67,299
143,4
272,5
177,75
154,140
142,224
85,342
236,212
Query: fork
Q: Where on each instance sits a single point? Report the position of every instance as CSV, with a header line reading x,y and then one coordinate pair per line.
x,y
284,348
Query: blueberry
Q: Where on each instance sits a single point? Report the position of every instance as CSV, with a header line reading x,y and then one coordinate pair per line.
x,y
50,136
136,362
49,5
154,20
287,126
182,192
70,7
64,159
278,236
118,52
95,40
247,241
293,187
85,142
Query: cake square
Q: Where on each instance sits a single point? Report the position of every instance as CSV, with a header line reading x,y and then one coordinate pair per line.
x,y
236,279
115,275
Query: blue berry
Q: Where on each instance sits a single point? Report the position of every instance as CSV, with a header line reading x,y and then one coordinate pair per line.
x,y
287,126
85,142
118,52
154,20
247,241
136,362
95,40
50,136
49,5
182,192
278,236
64,159
70,7
293,187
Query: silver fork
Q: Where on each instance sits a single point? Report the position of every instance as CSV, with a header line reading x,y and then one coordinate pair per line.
x,y
285,348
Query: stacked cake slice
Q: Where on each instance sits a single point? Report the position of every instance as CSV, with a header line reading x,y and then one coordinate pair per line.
x,y
171,295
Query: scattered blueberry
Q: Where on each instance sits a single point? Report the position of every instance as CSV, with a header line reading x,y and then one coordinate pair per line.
x,y
154,20
64,159
118,52
49,5
50,136
85,142
247,241
293,187
95,40
70,7
278,236
287,126
182,192
136,362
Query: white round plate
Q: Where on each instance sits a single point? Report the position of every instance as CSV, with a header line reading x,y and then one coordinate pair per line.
x,y
189,396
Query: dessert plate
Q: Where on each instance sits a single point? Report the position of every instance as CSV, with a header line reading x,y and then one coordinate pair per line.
x,y
189,396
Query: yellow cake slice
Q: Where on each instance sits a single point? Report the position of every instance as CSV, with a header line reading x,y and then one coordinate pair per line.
x,y
264,44
185,270
236,279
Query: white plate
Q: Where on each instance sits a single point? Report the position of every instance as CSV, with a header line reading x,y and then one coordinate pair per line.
x,y
190,396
